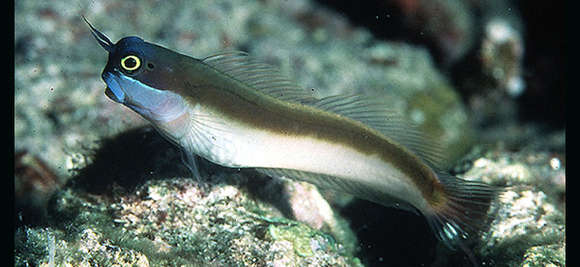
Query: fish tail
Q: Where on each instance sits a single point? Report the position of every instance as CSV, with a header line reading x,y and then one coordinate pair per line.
x,y
462,210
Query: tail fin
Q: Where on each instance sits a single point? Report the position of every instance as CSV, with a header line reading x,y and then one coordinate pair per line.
x,y
464,213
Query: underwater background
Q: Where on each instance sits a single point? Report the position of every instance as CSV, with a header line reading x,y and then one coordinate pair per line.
x,y
95,185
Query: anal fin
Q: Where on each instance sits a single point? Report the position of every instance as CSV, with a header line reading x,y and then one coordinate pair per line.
x,y
358,189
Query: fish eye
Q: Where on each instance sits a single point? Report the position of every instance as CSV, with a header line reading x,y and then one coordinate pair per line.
x,y
130,63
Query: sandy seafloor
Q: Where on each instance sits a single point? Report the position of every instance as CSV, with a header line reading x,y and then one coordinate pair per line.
x,y
94,185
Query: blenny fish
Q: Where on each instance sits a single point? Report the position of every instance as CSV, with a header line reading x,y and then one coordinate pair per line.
x,y
238,112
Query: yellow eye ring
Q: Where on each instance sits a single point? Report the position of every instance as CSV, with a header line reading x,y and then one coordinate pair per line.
x,y
130,63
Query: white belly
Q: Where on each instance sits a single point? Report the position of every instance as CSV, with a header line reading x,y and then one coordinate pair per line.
x,y
233,144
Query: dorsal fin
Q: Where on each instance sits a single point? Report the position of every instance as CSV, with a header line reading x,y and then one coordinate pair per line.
x,y
268,80
260,76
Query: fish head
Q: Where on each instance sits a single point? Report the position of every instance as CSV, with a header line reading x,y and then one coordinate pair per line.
x,y
141,75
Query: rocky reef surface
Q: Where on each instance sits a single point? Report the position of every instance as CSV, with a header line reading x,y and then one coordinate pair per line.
x,y
95,186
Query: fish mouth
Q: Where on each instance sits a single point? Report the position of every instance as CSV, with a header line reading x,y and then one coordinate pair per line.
x,y
109,93
114,90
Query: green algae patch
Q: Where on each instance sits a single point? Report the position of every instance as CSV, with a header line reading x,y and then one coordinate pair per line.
x,y
298,234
